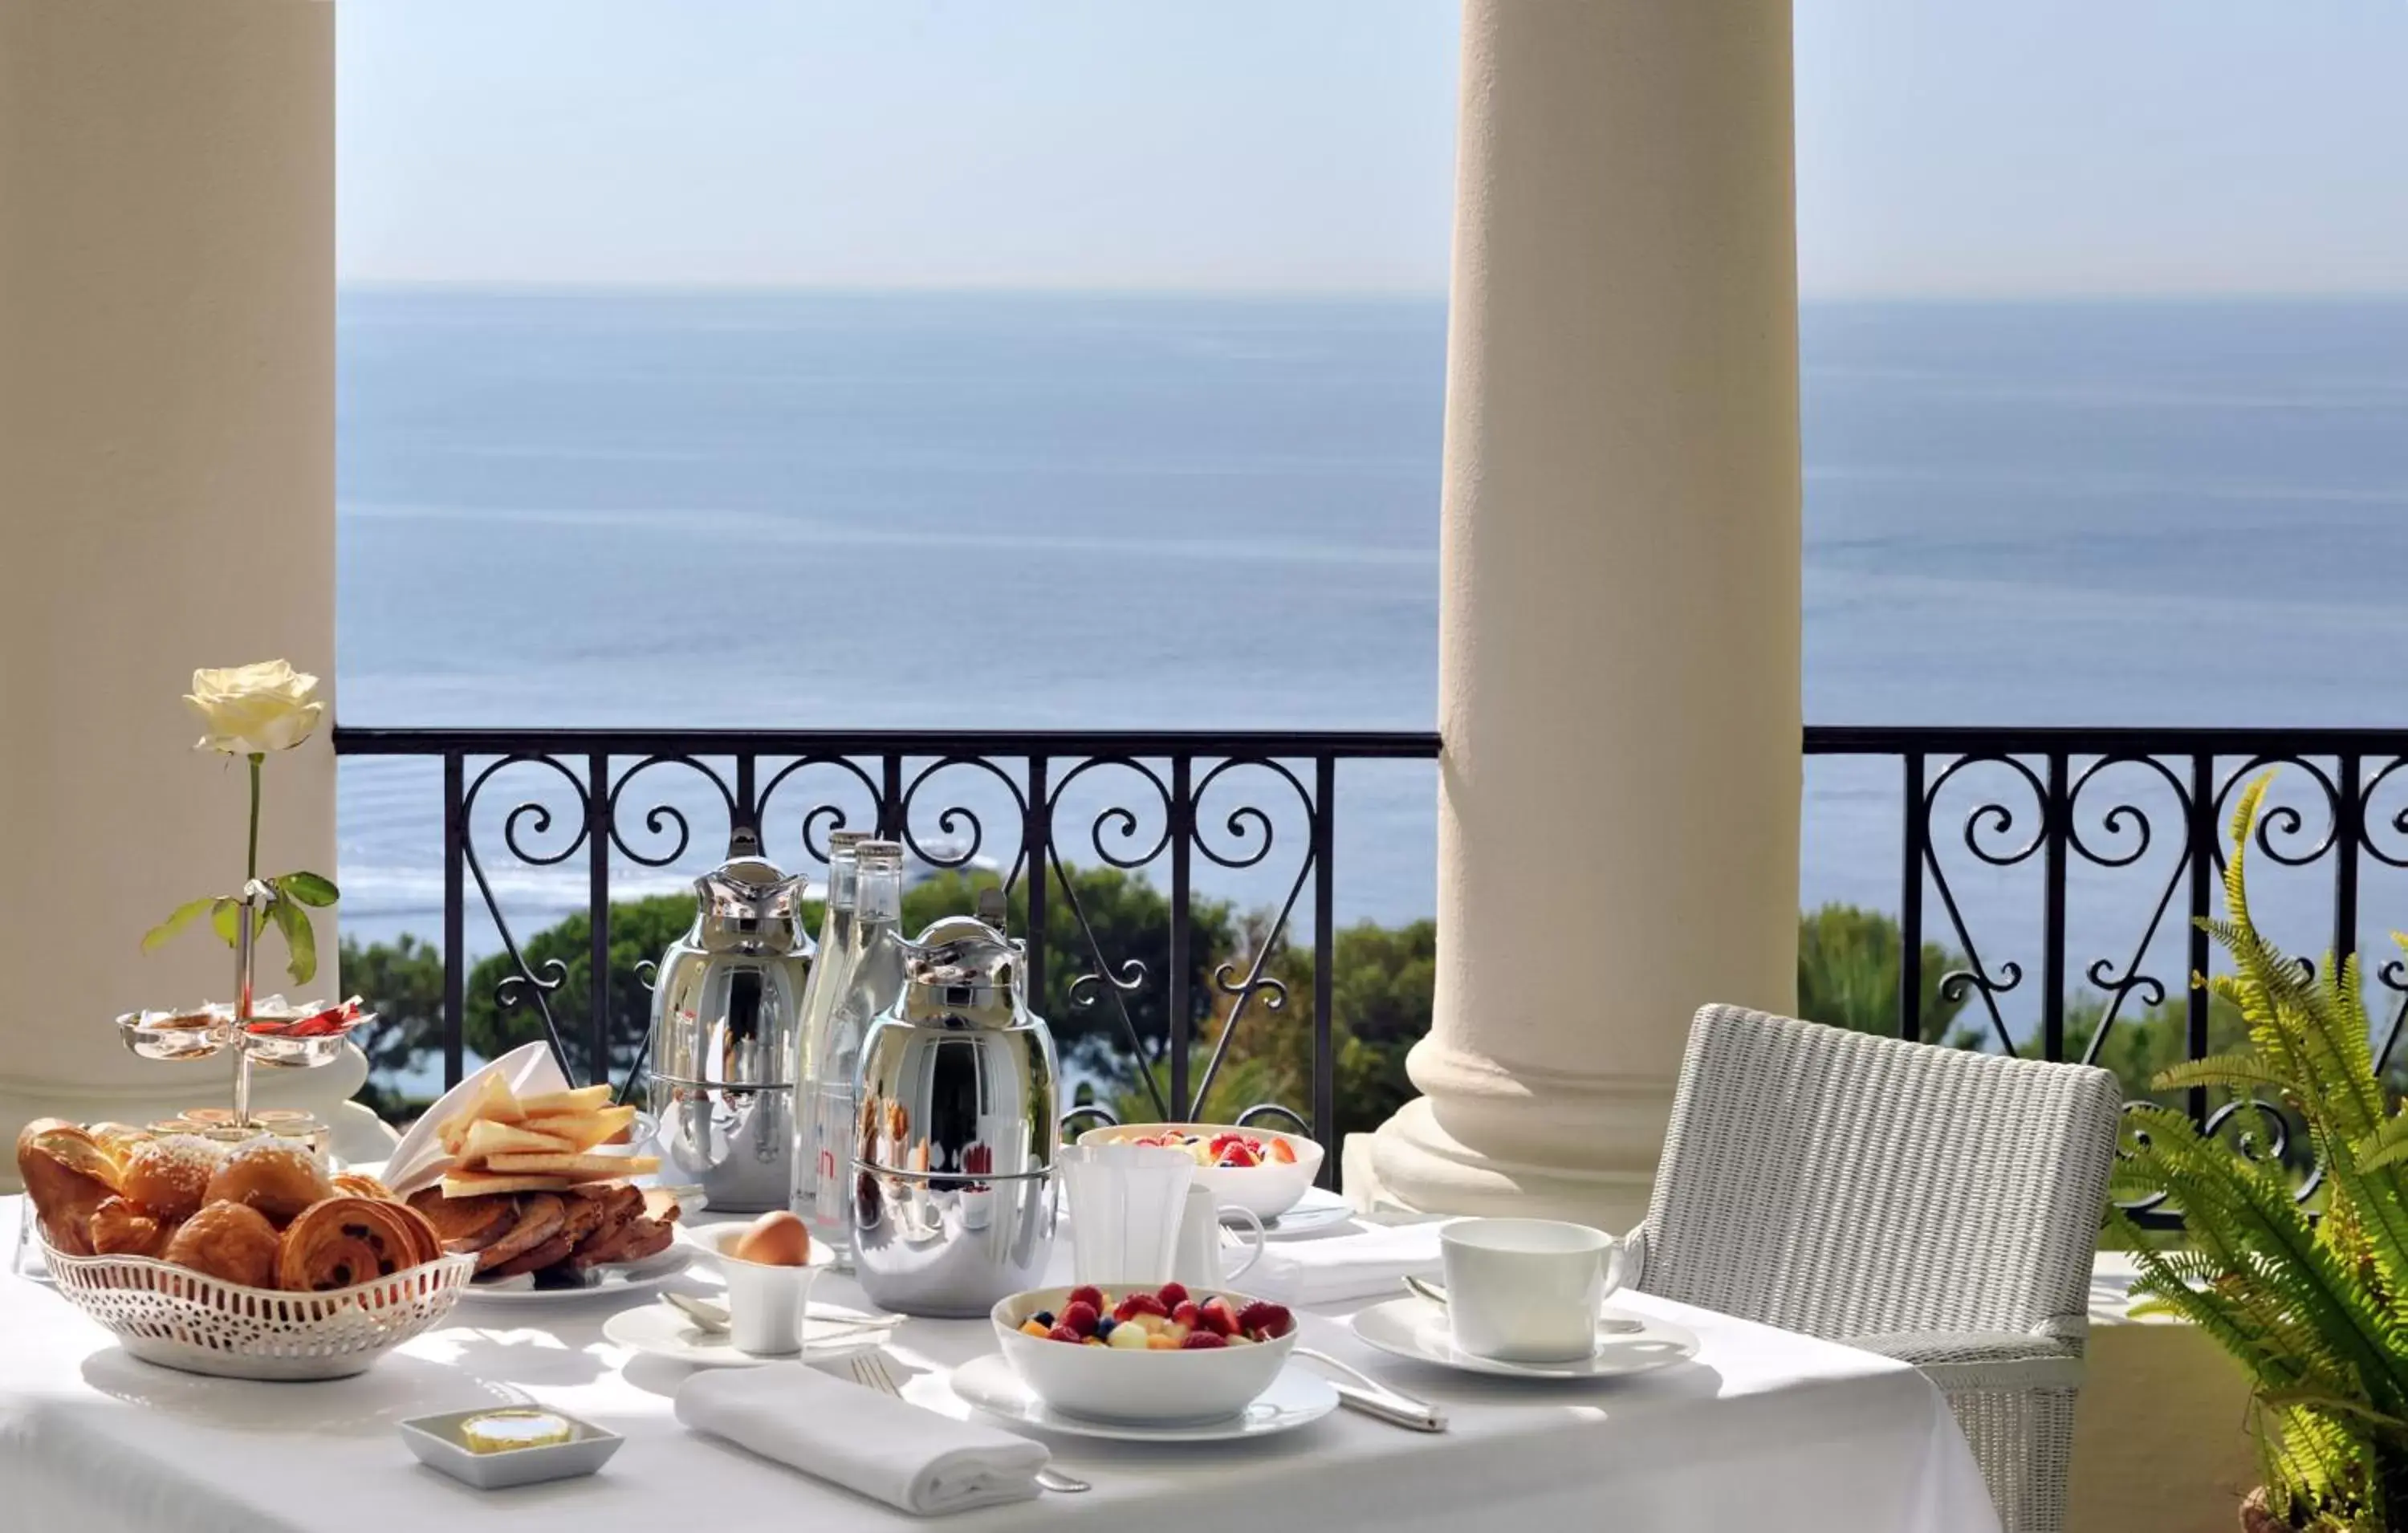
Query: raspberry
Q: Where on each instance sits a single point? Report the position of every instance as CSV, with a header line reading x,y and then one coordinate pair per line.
x,y
1087,1293
1139,1304
1063,1333
1080,1316
1201,1340
1171,1295
1269,1319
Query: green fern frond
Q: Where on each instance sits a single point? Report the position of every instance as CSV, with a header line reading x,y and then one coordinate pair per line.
x,y
2386,1146
2244,1071
2315,1311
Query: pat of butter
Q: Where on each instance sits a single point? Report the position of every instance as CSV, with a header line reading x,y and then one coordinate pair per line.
x,y
502,1431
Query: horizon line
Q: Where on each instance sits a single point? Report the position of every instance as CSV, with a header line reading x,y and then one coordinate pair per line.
x,y
1806,298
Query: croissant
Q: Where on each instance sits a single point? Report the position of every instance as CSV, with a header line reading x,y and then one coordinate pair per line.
x,y
118,1228
341,1241
67,1175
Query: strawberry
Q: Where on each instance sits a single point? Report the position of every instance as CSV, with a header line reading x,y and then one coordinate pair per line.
x,y
1282,1153
1187,1313
1222,1141
1267,1320
1216,1317
1080,1317
1063,1333
1138,1304
1087,1293
1237,1154
1172,1295
1200,1340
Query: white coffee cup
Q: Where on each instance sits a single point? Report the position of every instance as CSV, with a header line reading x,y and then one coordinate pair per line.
x,y
1196,1260
1527,1290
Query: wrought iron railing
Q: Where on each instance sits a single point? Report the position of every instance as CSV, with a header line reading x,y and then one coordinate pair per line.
x,y
2130,824
2062,869
1014,801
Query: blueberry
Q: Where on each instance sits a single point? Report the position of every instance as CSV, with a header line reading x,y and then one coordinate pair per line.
x,y
1104,1326
1044,1318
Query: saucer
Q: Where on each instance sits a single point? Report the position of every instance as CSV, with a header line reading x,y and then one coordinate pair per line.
x,y
1318,1209
1416,1328
1295,1399
658,1331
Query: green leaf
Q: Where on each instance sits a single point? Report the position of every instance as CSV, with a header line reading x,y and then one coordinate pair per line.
x,y
224,915
309,888
300,941
182,916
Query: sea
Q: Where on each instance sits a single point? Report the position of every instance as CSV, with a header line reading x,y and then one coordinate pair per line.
x,y
842,509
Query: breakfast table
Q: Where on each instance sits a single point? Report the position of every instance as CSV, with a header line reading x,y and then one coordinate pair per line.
x,y
1762,1429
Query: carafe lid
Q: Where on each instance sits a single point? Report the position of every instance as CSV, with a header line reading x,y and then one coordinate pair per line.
x,y
964,973
748,903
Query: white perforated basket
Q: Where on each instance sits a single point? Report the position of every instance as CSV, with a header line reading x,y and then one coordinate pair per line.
x,y
183,1319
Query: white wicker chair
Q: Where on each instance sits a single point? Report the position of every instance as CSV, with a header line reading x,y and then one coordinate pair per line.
x,y
1932,1205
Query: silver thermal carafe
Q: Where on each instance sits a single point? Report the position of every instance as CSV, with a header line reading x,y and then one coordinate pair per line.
x,y
955,1139
726,1011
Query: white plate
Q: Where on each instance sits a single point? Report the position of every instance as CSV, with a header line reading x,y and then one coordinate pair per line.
x,y
658,1331
1416,1328
1317,1210
1295,1398
630,1278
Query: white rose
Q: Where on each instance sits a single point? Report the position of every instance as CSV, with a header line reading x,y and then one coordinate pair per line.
x,y
251,710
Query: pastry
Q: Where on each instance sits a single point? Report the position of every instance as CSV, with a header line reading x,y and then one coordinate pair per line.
x,y
426,1245
68,1176
229,1241
359,1184
346,1240
279,1179
118,1228
118,1139
466,1223
539,1218
169,1178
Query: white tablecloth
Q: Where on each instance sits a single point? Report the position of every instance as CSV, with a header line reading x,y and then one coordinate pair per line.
x,y
1765,1430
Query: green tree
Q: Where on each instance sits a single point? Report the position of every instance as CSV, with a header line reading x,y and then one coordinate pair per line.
x,y
402,983
1848,962
1131,922
1382,978
640,931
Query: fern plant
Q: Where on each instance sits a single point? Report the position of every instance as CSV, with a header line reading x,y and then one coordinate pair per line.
x,y
2314,1309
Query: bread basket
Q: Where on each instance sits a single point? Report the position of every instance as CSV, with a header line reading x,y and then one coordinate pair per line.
x,y
182,1319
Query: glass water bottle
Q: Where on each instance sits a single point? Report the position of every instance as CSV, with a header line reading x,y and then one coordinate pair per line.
x,y
873,978
820,994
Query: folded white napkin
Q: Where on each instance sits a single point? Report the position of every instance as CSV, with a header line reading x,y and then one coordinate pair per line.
x,y
1344,1266
911,1460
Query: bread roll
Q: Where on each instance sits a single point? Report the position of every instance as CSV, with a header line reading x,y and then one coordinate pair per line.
x,y
229,1241
169,1178
279,1179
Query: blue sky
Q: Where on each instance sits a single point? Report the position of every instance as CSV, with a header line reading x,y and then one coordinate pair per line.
x,y
1945,147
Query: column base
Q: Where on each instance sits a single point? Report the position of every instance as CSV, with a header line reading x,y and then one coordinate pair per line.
x,y
1489,1138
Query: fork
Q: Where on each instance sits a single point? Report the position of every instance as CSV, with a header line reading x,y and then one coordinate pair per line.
x,y
870,1370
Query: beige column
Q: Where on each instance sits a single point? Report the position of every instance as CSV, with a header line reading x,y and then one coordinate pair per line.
x,y
1619,641
166,501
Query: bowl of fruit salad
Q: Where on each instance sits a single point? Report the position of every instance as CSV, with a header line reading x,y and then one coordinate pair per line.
x,y
1159,1354
1261,1170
